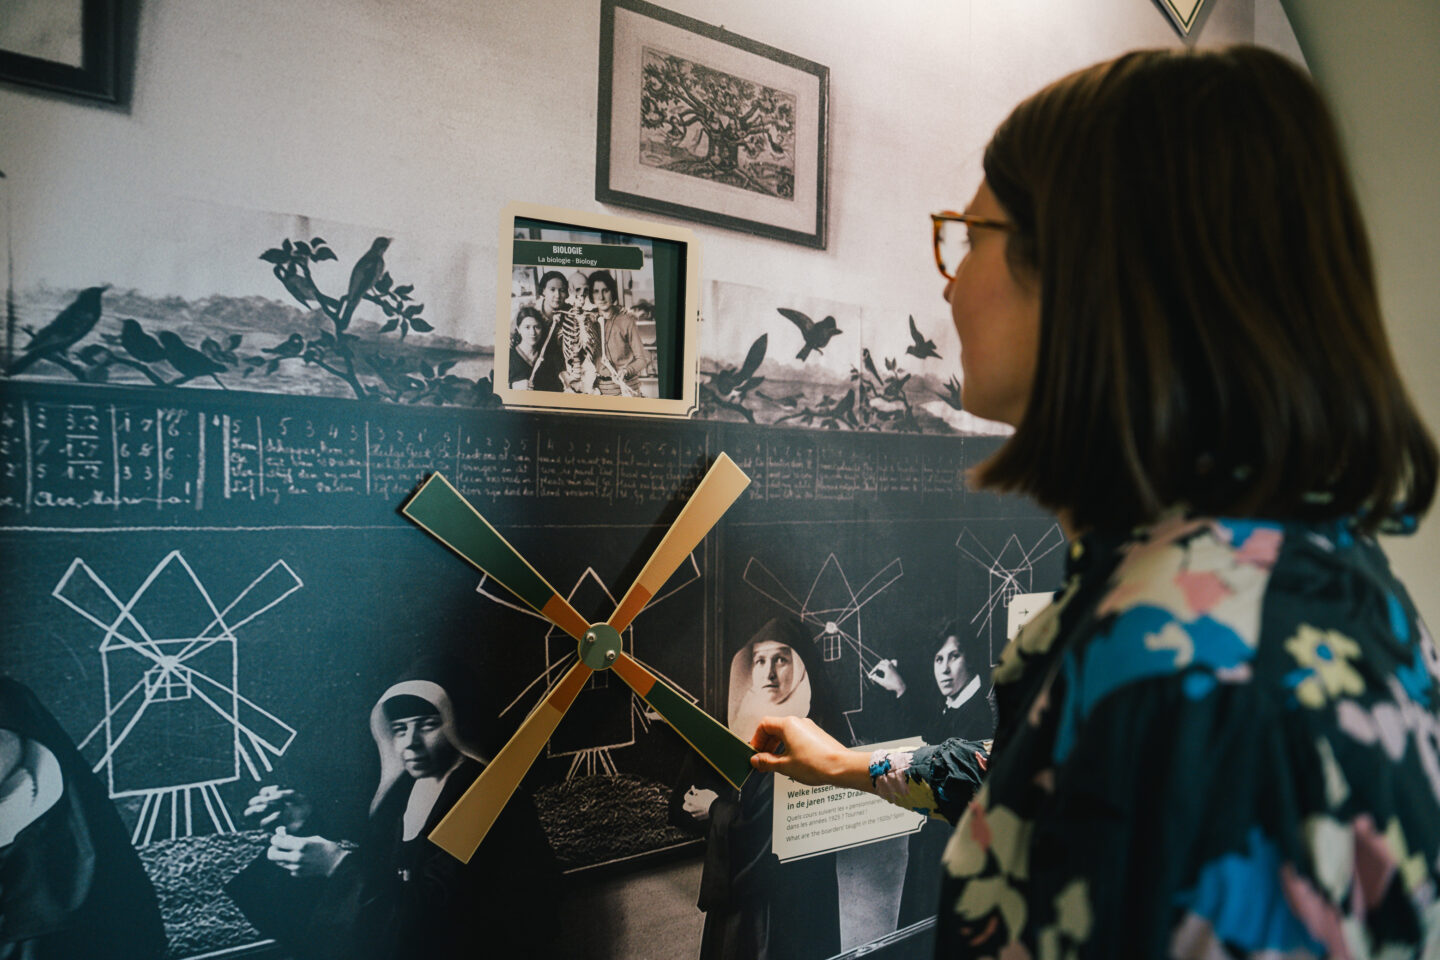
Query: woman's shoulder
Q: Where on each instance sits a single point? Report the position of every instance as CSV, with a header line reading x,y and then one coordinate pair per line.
x,y
1281,606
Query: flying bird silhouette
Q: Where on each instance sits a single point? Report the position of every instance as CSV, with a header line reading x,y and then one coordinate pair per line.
x,y
62,333
921,348
952,394
732,382
140,344
362,277
816,334
190,362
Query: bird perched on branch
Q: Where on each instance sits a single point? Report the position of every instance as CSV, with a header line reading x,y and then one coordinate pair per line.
x,y
190,362
816,334
59,335
363,275
140,344
291,346
921,348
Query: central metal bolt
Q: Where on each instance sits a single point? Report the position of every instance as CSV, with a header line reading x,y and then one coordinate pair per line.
x,y
601,646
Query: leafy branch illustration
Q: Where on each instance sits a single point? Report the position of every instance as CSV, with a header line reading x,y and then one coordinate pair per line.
x,y
334,350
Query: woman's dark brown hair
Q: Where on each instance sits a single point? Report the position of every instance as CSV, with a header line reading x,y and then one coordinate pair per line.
x,y
1210,333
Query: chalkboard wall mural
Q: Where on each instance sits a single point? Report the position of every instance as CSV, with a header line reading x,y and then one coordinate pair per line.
x,y
207,581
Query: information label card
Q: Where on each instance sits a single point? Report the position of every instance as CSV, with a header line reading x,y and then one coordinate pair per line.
x,y
809,821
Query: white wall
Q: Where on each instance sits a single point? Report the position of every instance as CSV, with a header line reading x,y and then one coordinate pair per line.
x,y
425,117
1379,66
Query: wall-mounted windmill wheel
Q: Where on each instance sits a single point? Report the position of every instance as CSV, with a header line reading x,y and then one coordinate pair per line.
x,y
440,509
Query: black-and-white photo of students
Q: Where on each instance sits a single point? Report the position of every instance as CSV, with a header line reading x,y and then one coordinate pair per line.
x,y
393,894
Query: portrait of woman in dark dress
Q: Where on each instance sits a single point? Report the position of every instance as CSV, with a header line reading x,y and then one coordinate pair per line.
x,y
525,344
754,905
393,894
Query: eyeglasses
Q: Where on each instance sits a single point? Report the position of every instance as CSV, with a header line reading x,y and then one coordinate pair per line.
x,y
952,244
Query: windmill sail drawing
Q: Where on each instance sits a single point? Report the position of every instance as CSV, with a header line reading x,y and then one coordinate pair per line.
x,y
832,606
175,725
1011,572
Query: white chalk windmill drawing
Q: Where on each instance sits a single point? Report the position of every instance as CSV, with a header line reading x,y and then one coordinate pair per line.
x,y
832,606
176,726
591,746
1011,572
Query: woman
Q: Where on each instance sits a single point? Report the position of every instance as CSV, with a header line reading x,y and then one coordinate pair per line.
x,y
625,357
958,706
394,894
525,346
71,884
1221,738
547,370
754,905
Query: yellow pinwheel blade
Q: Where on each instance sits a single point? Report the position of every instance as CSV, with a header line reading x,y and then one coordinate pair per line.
x,y
460,831
722,486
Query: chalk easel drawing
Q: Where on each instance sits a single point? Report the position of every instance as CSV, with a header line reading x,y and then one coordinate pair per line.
x,y
1011,572
176,726
592,757
440,509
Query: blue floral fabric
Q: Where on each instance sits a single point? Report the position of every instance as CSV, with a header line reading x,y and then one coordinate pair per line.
x,y
1220,740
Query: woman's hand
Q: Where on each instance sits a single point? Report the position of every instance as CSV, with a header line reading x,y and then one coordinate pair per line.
x,y
305,856
798,748
282,808
697,802
887,675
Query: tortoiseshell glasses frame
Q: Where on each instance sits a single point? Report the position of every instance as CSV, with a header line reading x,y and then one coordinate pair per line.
x,y
938,220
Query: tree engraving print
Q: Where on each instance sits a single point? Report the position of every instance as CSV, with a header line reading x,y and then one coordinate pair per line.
x,y
706,123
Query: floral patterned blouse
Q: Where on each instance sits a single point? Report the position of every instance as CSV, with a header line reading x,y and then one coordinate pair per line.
x,y
1220,740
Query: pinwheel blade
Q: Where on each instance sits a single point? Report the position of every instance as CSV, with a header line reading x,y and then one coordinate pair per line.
x,y
447,516
460,831
724,751
722,485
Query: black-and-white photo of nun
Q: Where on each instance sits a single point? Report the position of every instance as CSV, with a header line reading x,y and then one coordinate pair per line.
x,y
393,894
754,905
71,884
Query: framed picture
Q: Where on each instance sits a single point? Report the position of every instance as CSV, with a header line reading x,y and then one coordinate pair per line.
x,y
596,313
64,45
699,123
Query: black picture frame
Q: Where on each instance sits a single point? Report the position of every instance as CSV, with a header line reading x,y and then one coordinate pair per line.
x,y
97,77
724,194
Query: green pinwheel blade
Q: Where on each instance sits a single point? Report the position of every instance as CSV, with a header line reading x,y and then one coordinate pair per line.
x,y
440,509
